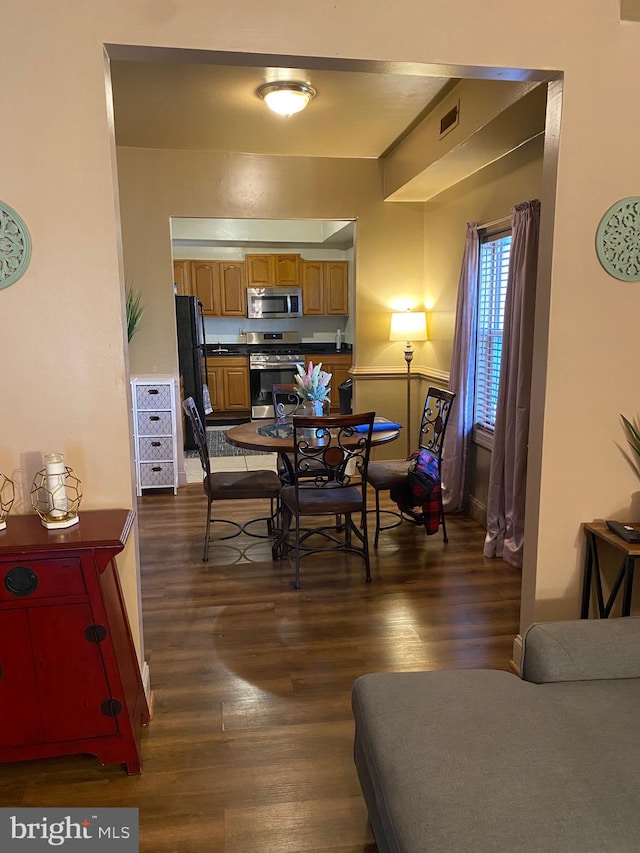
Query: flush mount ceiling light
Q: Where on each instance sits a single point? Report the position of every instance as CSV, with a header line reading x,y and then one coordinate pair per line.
x,y
286,98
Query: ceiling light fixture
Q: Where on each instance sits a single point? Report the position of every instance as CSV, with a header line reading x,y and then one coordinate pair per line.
x,y
286,98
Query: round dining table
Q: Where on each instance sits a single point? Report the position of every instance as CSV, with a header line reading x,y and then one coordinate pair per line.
x,y
272,436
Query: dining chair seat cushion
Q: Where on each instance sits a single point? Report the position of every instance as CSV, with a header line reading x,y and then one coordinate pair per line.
x,y
388,473
238,485
323,501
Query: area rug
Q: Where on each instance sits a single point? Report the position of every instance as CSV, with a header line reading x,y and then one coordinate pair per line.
x,y
219,446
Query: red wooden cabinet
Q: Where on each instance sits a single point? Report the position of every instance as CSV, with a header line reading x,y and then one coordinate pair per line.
x,y
69,675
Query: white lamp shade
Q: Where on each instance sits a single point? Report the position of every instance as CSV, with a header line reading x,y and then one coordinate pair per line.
x,y
408,326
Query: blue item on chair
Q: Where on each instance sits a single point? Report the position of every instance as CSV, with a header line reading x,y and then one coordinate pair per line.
x,y
379,425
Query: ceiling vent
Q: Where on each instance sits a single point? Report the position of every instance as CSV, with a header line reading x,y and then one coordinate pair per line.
x,y
450,120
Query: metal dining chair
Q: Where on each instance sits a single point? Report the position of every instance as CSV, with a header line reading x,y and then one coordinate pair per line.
x,y
330,462
235,486
387,475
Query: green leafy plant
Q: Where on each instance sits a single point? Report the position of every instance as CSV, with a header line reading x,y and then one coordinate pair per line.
x,y
633,439
134,309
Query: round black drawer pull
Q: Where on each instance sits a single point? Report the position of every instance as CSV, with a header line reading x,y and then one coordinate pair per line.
x,y
157,468
156,444
111,707
154,418
21,580
153,391
95,633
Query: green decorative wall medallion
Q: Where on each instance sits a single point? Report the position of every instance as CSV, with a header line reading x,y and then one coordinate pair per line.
x,y
15,246
618,239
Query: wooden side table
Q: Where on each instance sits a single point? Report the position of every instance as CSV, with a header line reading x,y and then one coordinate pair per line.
x,y
598,533
69,675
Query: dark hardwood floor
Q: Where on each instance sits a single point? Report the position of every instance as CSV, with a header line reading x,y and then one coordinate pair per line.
x,y
249,748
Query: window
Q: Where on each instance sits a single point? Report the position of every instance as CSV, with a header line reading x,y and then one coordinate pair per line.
x,y
492,289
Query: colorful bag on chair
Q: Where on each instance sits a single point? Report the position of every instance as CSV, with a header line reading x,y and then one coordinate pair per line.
x,y
421,489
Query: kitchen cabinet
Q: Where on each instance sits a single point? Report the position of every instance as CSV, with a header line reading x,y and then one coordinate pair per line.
x,y
205,284
220,285
155,433
229,384
182,277
325,287
271,270
338,366
233,289
70,681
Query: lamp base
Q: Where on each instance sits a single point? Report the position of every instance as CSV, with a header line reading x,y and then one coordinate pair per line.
x,y
59,523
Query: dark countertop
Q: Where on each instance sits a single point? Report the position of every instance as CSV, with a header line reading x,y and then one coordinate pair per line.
x,y
223,350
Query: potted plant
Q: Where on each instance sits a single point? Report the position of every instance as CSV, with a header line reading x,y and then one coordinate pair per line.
x,y
633,439
134,311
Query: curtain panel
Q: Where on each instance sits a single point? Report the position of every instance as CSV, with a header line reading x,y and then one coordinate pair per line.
x,y
508,471
461,379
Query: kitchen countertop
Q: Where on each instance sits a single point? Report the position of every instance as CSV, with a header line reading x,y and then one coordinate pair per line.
x,y
213,350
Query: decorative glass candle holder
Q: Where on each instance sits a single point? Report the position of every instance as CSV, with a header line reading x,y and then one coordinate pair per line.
x,y
7,497
56,493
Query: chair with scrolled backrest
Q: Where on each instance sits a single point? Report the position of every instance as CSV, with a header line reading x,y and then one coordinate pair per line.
x,y
234,486
387,475
286,400
330,464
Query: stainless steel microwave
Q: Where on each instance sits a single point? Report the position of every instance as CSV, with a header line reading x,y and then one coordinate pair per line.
x,y
264,303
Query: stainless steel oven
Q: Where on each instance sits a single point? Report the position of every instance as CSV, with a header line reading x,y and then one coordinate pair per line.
x,y
273,357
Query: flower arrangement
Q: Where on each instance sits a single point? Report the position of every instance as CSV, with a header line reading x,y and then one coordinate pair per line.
x,y
313,383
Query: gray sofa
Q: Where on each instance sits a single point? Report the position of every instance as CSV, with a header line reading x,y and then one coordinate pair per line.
x,y
486,762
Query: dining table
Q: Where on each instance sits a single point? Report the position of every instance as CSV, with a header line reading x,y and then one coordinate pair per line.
x,y
276,436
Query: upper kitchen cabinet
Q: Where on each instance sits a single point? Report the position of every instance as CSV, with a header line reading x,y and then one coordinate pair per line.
x,y
287,270
220,285
182,277
205,284
325,287
271,270
233,289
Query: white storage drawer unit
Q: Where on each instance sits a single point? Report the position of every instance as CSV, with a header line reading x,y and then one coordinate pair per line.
x,y
154,423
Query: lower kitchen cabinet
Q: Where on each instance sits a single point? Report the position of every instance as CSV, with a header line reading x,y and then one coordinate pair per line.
x,y
338,366
229,384
69,675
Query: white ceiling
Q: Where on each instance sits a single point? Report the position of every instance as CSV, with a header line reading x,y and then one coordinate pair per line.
x,y
215,107
200,101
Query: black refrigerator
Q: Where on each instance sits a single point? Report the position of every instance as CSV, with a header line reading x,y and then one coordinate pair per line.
x,y
192,359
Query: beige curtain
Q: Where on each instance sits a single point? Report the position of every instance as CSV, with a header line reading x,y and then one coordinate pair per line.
x,y
508,472
461,379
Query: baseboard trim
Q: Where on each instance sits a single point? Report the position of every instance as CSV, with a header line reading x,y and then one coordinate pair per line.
x,y
146,681
478,511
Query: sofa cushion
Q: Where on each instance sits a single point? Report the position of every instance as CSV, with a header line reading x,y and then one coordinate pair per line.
x,y
481,761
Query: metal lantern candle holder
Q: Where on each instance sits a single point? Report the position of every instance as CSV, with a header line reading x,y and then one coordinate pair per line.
x,y
56,493
7,497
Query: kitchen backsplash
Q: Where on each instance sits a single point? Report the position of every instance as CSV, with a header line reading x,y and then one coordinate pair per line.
x,y
227,330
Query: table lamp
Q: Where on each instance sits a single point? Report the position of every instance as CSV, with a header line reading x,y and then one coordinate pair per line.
x,y
408,326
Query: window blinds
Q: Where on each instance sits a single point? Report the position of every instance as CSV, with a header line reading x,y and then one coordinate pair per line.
x,y
492,289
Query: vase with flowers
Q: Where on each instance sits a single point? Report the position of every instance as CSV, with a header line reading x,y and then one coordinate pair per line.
x,y
313,388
